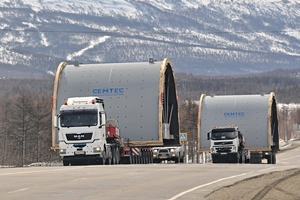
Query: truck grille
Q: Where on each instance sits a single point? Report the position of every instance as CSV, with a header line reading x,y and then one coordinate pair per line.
x,y
79,136
222,143
223,149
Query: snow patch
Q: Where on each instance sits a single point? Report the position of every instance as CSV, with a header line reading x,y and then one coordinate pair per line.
x,y
51,73
96,7
44,40
92,44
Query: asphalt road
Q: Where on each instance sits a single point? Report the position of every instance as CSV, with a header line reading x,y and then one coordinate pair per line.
x,y
152,181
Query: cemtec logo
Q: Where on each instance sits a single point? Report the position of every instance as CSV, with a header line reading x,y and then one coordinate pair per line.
x,y
109,91
234,114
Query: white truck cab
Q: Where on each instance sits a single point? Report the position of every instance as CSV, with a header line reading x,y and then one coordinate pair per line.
x,y
81,129
227,145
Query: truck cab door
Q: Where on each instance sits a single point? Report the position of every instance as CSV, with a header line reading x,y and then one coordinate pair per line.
x,y
102,118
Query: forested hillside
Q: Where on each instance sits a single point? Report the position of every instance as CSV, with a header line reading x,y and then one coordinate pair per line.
x,y
285,84
25,107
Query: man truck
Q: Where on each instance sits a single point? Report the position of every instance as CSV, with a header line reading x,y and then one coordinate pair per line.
x,y
141,96
255,116
84,134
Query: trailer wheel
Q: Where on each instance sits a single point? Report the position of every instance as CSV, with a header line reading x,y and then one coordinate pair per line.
x,y
241,158
147,157
273,158
109,159
247,160
125,160
237,158
117,156
181,158
255,158
270,159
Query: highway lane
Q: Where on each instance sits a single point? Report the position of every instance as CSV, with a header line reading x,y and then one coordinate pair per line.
x,y
154,181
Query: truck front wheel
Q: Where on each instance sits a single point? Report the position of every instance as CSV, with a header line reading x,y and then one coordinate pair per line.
x,y
66,162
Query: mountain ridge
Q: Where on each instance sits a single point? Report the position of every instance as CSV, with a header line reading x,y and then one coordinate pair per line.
x,y
227,37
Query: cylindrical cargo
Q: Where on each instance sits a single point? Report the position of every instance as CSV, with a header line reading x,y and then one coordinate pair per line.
x,y
141,96
254,115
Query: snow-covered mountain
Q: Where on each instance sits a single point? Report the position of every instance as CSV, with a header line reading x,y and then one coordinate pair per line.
x,y
200,36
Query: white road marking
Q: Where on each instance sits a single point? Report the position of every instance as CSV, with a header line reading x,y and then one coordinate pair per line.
x,y
216,181
201,186
20,190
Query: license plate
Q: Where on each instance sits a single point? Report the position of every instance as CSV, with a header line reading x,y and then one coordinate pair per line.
x,y
79,152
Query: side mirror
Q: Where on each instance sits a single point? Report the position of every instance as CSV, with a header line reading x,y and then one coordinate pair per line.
x,y
208,136
55,121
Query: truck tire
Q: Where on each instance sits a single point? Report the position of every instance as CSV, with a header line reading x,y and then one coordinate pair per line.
x,y
177,159
237,158
182,158
125,160
148,157
241,158
66,162
117,158
270,159
115,155
273,158
103,158
216,159
255,158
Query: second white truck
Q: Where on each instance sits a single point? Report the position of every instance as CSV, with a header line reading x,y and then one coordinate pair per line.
x,y
227,144
255,116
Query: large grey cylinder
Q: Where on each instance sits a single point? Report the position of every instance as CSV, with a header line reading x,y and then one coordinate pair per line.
x,y
141,96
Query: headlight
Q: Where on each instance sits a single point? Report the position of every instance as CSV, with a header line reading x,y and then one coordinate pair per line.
x,y
97,149
234,149
62,151
172,150
213,150
155,151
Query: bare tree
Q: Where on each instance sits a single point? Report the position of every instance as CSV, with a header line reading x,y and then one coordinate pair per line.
x,y
188,121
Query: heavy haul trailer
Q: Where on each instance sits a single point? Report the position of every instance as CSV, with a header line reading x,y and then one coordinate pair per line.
x,y
141,96
255,116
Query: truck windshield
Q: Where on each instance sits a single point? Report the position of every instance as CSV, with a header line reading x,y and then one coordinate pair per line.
x,y
74,118
223,135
